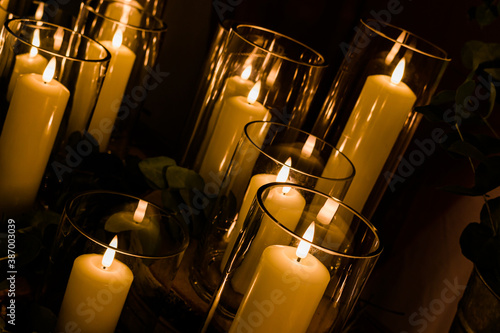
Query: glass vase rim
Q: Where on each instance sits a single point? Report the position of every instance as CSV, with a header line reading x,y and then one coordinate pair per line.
x,y
288,127
373,254
162,24
443,57
183,226
34,24
321,64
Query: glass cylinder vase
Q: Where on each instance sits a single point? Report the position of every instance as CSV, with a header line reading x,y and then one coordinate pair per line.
x,y
49,76
268,152
294,269
133,37
131,292
368,114
259,75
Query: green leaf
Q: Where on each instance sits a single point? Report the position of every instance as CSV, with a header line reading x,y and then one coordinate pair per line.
x,y
181,178
484,15
490,214
433,113
468,52
466,149
154,169
464,92
472,240
171,199
443,97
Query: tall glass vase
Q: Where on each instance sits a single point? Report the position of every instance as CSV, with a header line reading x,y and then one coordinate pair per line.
x,y
368,114
259,75
299,269
133,37
49,75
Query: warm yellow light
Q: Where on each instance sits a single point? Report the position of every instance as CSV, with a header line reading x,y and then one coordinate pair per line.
x,y
140,212
395,48
39,12
49,71
397,75
117,38
58,38
303,248
109,255
308,146
283,174
254,93
327,212
36,42
246,73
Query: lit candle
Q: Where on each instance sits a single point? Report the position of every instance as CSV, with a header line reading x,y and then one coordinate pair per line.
x,y
255,183
286,289
377,119
235,113
26,63
112,90
28,134
96,292
147,228
286,205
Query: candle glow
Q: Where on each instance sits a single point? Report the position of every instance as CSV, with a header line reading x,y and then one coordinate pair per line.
x,y
308,146
283,174
140,212
117,38
328,211
246,73
48,73
398,73
109,255
36,42
303,248
254,93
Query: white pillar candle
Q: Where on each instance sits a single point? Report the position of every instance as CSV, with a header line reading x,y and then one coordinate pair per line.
x,y
255,183
28,135
286,289
27,63
377,119
96,292
235,113
112,90
286,206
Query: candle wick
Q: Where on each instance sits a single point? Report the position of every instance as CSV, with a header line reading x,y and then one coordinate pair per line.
x,y
104,267
299,259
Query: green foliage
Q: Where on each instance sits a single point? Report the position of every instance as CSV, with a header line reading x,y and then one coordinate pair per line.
x,y
467,110
181,189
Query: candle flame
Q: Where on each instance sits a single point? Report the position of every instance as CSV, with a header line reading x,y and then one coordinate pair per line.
x,y
117,38
395,48
39,12
308,146
283,174
49,71
246,73
36,42
254,93
140,212
397,75
303,248
58,38
109,255
327,212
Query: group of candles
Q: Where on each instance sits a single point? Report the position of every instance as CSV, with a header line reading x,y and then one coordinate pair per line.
x,y
379,115
270,264
37,106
